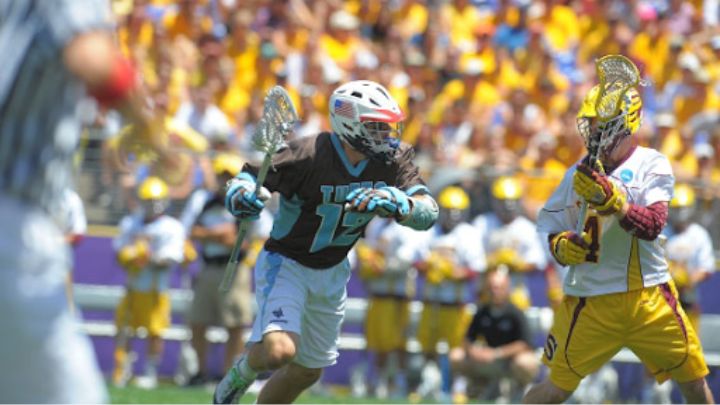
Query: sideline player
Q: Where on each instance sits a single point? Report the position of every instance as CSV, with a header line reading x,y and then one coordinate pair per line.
x,y
689,251
510,238
149,245
385,261
301,275
618,292
50,49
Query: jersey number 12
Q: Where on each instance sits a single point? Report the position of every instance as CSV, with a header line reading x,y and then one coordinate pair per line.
x,y
331,216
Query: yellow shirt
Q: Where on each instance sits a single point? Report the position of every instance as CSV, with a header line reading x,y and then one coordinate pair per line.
x,y
411,20
341,53
652,52
540,182
562,29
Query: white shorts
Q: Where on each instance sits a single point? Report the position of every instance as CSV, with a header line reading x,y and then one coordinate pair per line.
x,y
45,357
310,303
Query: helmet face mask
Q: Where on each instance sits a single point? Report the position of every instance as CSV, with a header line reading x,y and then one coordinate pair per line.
x,y
363,114
602,138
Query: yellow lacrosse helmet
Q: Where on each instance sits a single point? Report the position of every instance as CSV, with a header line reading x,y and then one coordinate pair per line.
x,y
454,198
683,196
227,163
627,121
630,106
506,188
153,188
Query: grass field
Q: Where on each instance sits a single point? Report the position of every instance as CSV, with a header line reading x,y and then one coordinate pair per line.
x,y
171,394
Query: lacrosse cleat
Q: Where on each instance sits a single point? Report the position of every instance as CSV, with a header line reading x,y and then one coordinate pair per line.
x,y
232,387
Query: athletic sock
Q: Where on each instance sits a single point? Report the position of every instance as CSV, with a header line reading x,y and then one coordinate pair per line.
x,y
245,370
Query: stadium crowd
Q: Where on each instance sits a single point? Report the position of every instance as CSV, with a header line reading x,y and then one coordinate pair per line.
x,y
491,89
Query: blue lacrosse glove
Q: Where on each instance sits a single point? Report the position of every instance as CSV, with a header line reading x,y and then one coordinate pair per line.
x,y
242,201
385,201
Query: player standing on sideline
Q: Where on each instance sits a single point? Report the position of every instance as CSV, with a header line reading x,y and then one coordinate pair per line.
x,y
619,292
50,49
301,275
509,238
385,259
150,243
449,260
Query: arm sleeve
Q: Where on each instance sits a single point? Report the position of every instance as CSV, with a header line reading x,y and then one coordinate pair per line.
x,y
645,222
408,174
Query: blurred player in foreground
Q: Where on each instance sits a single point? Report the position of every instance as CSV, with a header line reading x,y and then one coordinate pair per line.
x,y
149,245
618,292
301,275
52,51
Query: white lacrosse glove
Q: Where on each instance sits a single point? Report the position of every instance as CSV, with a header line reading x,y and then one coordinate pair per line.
x,y
386,201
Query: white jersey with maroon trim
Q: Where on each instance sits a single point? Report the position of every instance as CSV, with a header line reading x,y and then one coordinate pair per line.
x,y
618,261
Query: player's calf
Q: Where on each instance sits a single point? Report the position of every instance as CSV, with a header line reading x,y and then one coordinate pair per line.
x,y
697,392
546,393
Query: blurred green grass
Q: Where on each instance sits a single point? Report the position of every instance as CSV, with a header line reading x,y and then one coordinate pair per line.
x,y
171,394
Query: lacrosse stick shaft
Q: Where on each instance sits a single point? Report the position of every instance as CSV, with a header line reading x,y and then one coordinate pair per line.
x,y
243,229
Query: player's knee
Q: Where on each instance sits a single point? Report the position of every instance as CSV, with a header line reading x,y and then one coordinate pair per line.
x,y
280,350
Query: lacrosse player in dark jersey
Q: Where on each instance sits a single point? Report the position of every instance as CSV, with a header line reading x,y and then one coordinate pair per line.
x,y
330,186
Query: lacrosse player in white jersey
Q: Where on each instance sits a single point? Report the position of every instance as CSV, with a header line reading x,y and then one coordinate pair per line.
x,y
618,291
510,239
52,51
149,245
385,261
451,258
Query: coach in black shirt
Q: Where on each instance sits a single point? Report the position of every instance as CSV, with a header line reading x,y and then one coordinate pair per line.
x,y
497,343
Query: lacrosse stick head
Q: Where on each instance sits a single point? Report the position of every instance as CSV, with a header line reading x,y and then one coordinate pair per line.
x,y
277,121
365,116
612,110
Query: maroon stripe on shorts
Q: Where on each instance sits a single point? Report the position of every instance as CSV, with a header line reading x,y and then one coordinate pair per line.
x,y
666,292
576,313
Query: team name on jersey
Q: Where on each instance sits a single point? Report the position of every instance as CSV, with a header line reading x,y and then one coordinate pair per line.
x,y
337,194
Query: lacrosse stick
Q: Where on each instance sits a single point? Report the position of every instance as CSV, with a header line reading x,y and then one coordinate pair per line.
x,y
279,117
617,74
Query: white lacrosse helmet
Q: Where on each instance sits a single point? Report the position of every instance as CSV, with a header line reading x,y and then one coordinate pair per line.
x,y
363,114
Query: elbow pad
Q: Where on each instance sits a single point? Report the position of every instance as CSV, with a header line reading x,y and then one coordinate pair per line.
x,y
423,214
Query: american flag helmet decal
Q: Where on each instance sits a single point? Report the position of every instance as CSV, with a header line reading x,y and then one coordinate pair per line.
x,y
344,109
